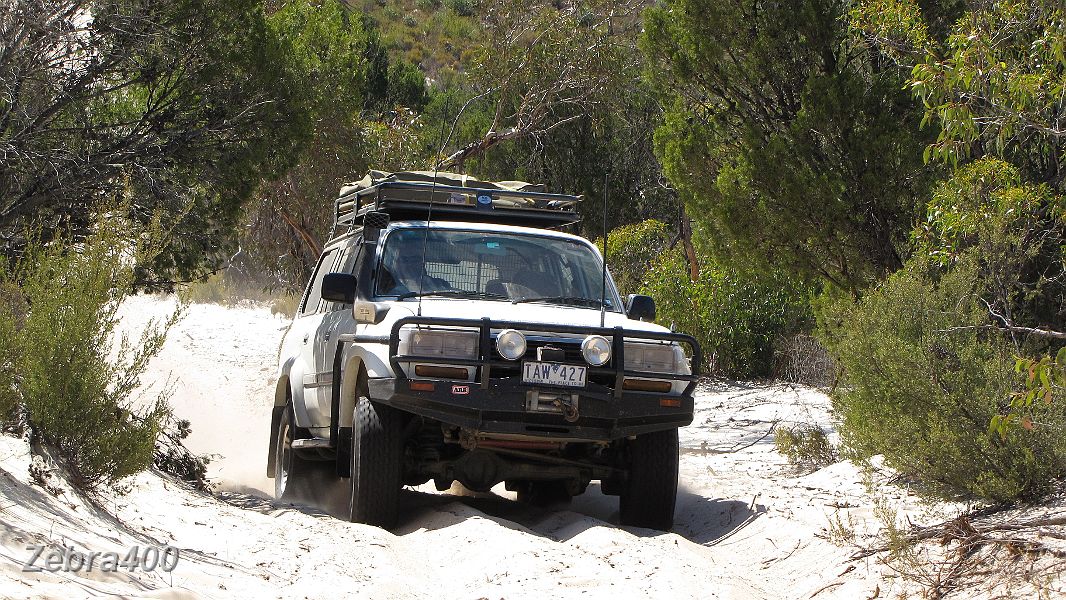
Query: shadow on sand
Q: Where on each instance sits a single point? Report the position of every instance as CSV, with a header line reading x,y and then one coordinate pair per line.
x,y
697,518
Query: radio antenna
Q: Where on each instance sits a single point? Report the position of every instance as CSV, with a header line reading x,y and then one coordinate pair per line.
x,y
429,213
603,281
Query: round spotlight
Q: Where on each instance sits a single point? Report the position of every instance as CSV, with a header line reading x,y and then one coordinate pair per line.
x,y
596,350
511,344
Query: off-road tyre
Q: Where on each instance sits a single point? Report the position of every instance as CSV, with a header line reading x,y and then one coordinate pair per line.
x,y
377,463
649,493
293,475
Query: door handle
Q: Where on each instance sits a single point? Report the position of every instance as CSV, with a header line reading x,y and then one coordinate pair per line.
x,y
306,335
328,333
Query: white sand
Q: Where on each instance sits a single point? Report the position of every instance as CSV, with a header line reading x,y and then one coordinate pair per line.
x,y
748,525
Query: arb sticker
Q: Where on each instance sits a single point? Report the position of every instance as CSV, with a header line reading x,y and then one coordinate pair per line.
x,y
461,390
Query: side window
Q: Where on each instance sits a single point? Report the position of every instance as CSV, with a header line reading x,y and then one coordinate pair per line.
x,y
314,293
346,264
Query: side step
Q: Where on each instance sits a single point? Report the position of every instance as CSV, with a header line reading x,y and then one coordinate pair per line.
x,y
310,443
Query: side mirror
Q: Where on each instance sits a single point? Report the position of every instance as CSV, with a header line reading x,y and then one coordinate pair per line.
x,y
640,308
339,287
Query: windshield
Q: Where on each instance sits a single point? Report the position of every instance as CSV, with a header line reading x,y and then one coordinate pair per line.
x,y
494,265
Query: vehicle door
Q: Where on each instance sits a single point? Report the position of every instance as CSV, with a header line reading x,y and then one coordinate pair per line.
x,y
336,319
310,324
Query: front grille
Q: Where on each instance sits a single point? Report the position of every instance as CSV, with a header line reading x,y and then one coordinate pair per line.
x,y
571,350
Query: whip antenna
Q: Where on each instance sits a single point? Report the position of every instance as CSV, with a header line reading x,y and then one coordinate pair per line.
x,y
429,213
603,281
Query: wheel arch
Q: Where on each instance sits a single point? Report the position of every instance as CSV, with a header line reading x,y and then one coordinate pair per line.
x,y
354,381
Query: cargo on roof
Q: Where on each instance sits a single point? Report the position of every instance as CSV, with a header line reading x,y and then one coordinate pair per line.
x,y
409,195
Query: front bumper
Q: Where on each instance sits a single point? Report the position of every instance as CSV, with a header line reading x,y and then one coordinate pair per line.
x,y
503,407
498,402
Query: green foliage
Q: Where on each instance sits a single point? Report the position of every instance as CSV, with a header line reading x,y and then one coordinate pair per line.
x,y
432,34
188,103
992,83
171,455
342,71
76,387
1045,378
922,379
631,252
805,445
1016,230
735,315
463,8
407,86
789,143
13,309
984,205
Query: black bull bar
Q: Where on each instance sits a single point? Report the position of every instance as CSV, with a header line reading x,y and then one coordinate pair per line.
x,y
486,360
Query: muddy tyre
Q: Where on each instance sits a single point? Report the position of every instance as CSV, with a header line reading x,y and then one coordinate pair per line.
x,y
377,463
293,475
650,491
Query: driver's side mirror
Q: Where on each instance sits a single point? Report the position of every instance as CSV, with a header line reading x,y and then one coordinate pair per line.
x,y
339,287
640,308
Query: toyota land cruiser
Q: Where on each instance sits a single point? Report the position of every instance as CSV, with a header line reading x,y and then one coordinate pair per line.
x,y
452,332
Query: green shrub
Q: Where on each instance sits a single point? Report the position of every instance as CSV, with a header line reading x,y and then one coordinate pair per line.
x,y
463,8
77,393
13,310
407,86
631,251
735,314
805,445
922,378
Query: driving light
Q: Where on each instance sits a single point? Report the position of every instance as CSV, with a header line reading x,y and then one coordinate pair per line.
x,y
436,342
654,358
511,344
596,350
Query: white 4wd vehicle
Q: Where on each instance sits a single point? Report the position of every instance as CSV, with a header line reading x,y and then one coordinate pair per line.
x,y
453,343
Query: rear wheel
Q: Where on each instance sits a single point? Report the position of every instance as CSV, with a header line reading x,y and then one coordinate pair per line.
x,y
377,463
650,491
292,474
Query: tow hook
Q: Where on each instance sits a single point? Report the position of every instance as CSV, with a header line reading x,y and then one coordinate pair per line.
x,y
568,408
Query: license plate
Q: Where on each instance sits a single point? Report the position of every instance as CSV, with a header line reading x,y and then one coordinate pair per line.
x,y
546,373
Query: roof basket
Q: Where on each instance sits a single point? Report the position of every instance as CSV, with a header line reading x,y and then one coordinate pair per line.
x,y
454,197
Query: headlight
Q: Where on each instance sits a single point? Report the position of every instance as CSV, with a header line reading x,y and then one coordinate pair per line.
x,y
437,342
511,344
596,350
655,358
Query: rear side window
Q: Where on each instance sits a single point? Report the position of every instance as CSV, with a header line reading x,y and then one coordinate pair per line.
x,y
314,294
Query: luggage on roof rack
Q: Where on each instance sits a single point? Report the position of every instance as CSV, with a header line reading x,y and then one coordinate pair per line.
x,y
454,197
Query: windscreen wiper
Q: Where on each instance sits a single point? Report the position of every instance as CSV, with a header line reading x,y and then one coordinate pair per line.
x,y
578,300
450,294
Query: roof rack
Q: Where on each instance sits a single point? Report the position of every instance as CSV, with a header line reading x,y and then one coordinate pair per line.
x,y
454,197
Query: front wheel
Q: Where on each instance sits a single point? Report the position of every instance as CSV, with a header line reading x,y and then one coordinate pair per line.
x,y
650,491
377,463
292,474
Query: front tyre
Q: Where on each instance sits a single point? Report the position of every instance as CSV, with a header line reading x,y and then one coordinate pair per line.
x,y
377,463
292,474
650,491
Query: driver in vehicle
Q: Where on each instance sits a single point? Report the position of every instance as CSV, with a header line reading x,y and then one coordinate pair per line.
x,y
405,274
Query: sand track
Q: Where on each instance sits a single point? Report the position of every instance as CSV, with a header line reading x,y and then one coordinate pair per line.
x,y
748,525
